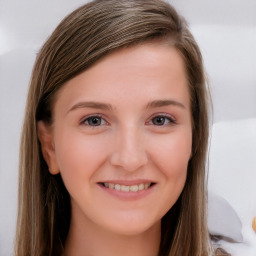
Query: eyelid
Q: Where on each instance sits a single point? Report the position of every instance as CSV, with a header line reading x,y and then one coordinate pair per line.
x,y
82,122
171,119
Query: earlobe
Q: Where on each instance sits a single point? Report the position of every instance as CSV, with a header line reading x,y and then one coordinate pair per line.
x,y
45,136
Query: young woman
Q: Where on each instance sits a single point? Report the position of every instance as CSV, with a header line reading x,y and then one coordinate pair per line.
x,y
115,137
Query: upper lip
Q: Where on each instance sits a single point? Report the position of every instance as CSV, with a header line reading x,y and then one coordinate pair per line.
x,y
128,182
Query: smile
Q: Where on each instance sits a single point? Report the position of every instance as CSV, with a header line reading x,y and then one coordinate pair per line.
x,y
124,188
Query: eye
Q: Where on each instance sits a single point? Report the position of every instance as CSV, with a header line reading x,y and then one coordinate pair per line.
x,y
94,121
162,120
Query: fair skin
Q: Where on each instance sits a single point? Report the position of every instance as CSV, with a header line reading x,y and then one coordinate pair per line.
x,y
121,139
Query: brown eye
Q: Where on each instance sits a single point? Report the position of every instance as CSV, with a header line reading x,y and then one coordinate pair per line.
x,y
94,121
161,120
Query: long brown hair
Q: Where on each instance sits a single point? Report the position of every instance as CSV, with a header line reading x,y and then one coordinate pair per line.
x,y
82,38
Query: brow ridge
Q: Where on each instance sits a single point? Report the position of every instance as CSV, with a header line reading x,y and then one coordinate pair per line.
x,y
163,103
105,106
91,104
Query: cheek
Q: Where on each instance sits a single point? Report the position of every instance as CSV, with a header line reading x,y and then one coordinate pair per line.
x,y
171,158
172,154
78,155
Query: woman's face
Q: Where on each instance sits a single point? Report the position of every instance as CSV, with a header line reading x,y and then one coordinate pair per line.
x,y
121,138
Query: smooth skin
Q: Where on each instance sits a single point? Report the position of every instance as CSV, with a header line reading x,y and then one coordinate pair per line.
x,y
125,120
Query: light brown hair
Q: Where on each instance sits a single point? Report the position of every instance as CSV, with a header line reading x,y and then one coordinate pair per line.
x,y
82,38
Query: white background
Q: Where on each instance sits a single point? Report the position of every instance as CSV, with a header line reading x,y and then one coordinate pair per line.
x,y
226,33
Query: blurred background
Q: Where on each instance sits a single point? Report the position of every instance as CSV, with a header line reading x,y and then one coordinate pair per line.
x,y
226,33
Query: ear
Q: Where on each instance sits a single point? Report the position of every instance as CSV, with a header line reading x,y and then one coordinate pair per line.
x,y
45,136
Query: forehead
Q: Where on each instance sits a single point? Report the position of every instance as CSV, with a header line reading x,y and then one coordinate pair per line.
x,y
144,71
149,59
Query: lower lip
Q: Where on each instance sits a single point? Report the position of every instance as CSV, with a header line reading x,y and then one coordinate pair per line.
x,y
128,195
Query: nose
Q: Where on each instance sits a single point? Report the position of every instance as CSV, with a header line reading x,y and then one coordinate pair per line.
x,y
129,152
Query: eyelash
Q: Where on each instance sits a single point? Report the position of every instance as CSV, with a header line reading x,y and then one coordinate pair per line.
x,y
168,120
90,118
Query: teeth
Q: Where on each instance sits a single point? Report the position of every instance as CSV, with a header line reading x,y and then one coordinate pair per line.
x,y
110,185
142,186
133,188
125,188
117,187
147,185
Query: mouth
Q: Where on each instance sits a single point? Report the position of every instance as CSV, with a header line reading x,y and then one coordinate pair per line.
x,y
125,188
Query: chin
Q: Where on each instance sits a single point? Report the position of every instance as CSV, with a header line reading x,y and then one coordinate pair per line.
x,y
132,226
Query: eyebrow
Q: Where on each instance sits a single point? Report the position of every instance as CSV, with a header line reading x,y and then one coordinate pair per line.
x,y
163,103
91,104
104,106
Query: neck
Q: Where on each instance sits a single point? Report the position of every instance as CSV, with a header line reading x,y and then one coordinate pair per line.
x,y
89,239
